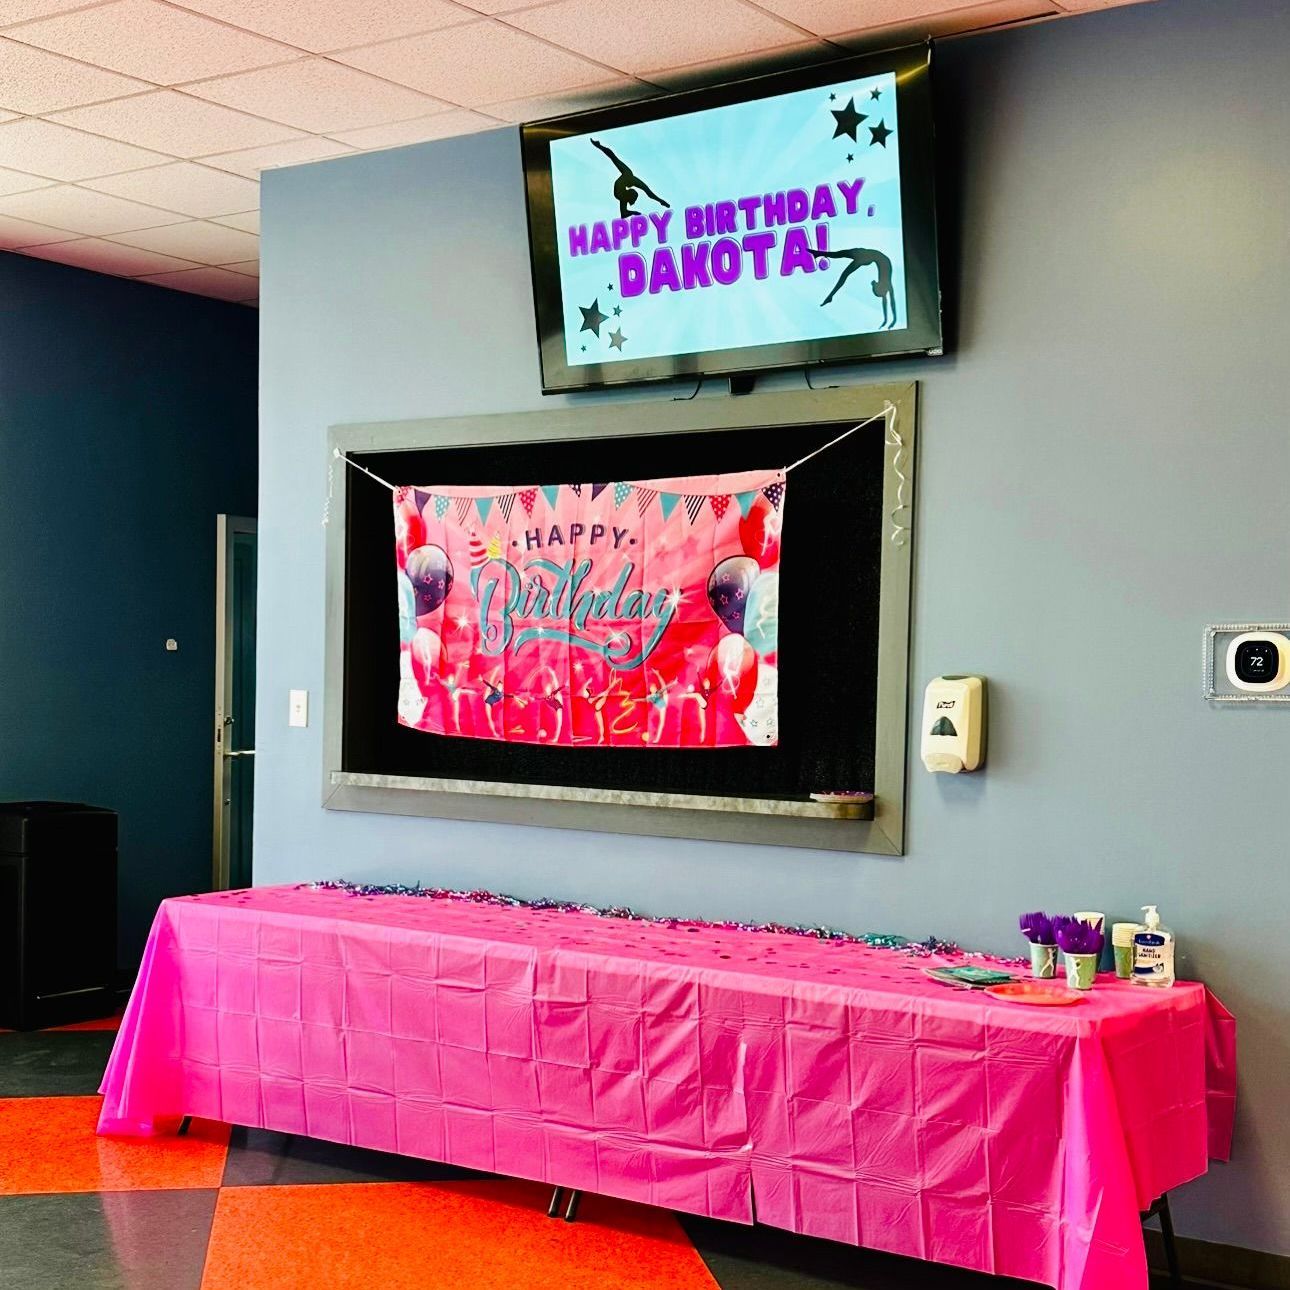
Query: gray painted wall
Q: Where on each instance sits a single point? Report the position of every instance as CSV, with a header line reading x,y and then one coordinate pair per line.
x,y
1103,471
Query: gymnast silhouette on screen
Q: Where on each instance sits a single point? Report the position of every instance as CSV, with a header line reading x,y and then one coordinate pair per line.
x,y
627,183
858,256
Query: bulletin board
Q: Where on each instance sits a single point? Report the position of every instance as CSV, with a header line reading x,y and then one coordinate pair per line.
x,y
847,537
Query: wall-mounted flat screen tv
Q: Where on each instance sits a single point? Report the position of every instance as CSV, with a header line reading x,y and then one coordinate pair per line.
x,y
783,221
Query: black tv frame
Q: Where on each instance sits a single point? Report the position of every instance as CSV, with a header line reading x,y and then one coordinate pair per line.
x,y
921,335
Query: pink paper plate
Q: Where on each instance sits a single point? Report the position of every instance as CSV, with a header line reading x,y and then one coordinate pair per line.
x,y
1038,994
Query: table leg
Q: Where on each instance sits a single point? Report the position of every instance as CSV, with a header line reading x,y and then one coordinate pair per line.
x,y
1171,1248
184,1126
557,1199
572,1212
1160,1209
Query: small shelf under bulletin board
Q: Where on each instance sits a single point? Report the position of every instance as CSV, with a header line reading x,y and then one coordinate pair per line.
x,y
843,622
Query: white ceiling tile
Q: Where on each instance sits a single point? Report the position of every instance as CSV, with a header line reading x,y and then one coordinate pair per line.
x,y
944,20
498,6
249,267
247,221
829,17
33,81
15,181
250,161
85,212
174,123
153,41
108,257
583,100
482,62
197,240
722,70
663,33
46,148
21,10
317,95
443,125
15,233
8,116
219,283
185,187
322,25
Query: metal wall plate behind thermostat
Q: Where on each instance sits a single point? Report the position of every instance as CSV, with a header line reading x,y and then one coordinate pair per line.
x,y
1247,663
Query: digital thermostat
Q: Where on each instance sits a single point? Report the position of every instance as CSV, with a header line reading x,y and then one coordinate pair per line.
x,y
1247,662
953,737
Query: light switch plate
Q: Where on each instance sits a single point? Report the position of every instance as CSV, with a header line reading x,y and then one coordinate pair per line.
x,y
298,708
1218,687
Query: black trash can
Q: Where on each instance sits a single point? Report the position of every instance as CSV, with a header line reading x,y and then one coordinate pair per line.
x,y
57,913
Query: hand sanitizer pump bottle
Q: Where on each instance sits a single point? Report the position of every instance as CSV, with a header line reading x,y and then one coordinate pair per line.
x,y
1153,951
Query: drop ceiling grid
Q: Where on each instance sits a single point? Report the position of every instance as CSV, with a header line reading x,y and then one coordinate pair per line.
x,y
160,115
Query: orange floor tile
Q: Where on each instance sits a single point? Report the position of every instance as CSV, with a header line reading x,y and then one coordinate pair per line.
x,y
441,1236
48,1144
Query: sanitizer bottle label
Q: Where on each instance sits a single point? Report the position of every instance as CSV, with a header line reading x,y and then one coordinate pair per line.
x,y
1151,954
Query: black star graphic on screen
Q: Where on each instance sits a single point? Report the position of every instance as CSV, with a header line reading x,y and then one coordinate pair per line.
x,y
851,156
611,286
616,339
875,95
832,97
584,349
592,317
847,118
880,134
618,311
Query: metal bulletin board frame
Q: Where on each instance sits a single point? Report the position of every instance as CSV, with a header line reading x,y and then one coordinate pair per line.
x,y
774,821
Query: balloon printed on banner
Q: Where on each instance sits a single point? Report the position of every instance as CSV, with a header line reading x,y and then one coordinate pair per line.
x,y
761,618
728,588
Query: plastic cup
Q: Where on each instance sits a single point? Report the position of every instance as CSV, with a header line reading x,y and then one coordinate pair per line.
x,y
1081,971
1122,935
1043,961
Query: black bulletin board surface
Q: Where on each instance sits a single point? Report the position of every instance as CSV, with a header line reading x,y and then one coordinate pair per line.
x,y
831,548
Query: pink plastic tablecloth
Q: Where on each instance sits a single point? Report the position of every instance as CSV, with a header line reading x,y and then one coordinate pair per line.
x,y
830,1089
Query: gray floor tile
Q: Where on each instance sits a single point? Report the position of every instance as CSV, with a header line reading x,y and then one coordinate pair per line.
x,y
44,1063
141,1240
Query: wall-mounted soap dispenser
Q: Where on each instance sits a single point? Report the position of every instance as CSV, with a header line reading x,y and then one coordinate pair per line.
x,y
953,735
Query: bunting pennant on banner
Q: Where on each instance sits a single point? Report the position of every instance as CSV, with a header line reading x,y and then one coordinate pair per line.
x,y
423,499
577,488
745,501
570,628
597,489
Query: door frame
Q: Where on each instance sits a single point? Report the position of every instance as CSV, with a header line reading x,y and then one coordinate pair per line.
x,y
226,527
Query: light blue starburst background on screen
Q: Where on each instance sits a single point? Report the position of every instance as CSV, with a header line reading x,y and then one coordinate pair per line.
x,y
723,154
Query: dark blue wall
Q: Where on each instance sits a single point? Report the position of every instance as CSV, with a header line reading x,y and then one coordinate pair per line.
x,y
127,422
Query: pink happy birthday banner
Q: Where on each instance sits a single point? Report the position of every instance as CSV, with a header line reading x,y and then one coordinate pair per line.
x,y
610,614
